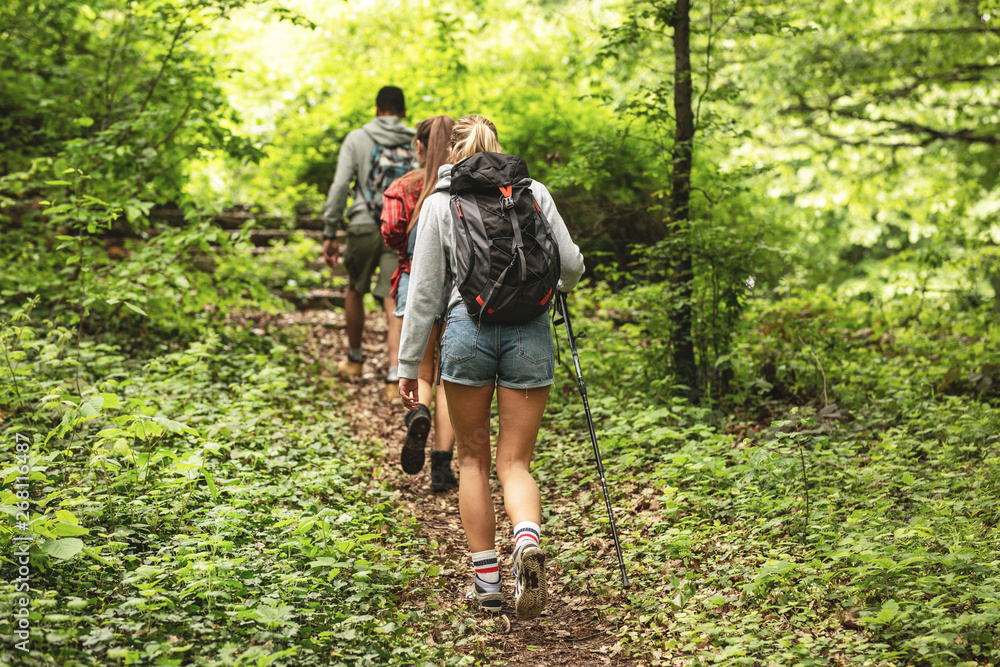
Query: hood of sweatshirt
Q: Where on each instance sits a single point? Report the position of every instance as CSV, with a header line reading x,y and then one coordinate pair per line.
x,y
389,131
444,178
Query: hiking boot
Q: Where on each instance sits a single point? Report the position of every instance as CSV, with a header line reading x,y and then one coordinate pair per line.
x,y
418,426
530,591
392,393
488,601
442,479
347,368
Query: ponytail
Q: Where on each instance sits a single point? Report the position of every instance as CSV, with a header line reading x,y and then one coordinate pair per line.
x,y
435,134
473,134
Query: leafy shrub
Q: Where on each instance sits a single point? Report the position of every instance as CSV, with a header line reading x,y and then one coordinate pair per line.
x,y
199,505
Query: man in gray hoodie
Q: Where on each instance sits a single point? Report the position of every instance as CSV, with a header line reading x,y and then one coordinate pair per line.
x,y
365,249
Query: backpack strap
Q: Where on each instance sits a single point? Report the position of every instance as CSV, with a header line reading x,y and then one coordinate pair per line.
x,y
507,205
363,187
517,258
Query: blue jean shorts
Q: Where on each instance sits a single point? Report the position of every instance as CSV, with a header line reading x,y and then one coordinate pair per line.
x,y
516,356
401,290
404,287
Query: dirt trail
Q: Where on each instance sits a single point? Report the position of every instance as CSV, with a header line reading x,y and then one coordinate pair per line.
x,y
570,631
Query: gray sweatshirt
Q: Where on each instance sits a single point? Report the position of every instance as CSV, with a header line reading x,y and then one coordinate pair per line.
x,y
352,170
435,241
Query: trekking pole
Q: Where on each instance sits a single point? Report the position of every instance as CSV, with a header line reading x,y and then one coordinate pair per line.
x,y
564,311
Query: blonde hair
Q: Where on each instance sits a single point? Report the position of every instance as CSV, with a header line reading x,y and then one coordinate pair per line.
x,y
473,134
434,133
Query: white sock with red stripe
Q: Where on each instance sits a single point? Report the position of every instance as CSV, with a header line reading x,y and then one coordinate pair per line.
x,y
487,570
526,533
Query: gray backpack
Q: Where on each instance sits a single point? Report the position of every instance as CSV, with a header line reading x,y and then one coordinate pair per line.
x,y
386,164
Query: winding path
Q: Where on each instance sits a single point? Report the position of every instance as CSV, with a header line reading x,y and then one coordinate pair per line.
x,y
571,630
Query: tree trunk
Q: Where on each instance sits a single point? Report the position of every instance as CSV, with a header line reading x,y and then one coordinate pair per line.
x,y
996,291
680,199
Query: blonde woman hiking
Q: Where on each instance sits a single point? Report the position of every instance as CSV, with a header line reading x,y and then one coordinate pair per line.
x,y
401,207
479,358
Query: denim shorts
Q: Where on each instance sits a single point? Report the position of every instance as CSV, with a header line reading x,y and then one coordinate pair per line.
x,y
516,356
404,287
401,289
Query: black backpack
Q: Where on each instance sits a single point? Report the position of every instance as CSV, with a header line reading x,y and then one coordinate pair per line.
x,y
386,165
508,261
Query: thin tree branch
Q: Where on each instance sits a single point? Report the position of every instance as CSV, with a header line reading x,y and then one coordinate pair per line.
x,y
113,92
708,64
163,65
868,141
805,487
819,366
177,125
900,126
956,30
165,169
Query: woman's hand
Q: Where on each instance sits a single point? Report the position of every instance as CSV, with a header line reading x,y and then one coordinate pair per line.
x,y
408,392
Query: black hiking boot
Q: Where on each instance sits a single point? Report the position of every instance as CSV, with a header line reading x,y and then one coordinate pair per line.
x,y
418,426
442,479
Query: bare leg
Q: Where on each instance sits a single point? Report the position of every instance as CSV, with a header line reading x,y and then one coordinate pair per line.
x,y
471,419
354,313
520,418
425,372
444,434
395,328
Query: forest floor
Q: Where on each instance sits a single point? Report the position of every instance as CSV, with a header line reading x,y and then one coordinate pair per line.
x,y
570,631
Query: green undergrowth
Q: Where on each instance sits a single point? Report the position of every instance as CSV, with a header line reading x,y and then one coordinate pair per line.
x,y
205,504
842,508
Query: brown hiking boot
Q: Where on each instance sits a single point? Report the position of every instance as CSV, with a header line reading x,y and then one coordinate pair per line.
x,y
349,369
392,393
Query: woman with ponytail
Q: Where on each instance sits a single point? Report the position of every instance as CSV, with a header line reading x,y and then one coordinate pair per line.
x,y
402,202
514,361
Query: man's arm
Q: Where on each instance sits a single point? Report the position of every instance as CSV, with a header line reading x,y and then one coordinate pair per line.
x,y
343,178
336,201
